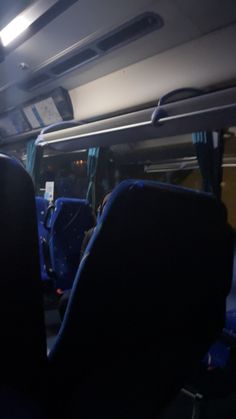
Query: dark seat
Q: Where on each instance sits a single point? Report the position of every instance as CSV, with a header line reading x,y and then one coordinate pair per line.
x,y
41,209
71,218
230,322
22,331
147,302
219,354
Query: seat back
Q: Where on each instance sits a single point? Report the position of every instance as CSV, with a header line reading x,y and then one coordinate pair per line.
x,y
41,209
71,218
218,355
147,302
231,300
23,342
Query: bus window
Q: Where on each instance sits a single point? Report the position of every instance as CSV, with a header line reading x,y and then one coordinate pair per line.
x,y
229,175
67,170
17,150
171,160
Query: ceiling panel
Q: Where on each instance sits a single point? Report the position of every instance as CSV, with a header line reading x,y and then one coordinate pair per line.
x,y
201,63
11,8
83,23
208,15
87,20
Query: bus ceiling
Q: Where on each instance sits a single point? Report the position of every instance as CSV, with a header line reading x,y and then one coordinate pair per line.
x,y
110,59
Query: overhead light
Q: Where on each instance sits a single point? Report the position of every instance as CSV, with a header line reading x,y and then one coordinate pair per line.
x,y
18,25
45,10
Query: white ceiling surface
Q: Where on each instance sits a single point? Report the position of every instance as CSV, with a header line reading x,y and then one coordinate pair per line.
x,y
177,55
199,63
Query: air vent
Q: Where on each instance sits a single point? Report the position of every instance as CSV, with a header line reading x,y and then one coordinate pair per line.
x,y
35,82
139,26
130,31
74,61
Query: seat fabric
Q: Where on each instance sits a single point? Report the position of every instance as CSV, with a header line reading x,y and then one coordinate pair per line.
x,y
41,208
71,218
147,302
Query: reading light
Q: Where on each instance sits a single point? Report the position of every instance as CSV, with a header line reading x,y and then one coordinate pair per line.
x,y
18,25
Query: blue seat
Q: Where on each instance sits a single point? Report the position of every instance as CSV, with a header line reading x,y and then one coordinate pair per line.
x,y
69,221
218,355
147,302
230,323
41,208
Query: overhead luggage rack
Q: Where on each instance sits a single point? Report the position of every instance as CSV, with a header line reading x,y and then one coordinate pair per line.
x,y
206,112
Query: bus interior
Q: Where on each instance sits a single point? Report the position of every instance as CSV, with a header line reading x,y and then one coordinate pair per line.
x,y
118,209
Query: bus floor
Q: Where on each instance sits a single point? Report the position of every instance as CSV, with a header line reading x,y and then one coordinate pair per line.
x,y
53,323
213,395
183,408
217,387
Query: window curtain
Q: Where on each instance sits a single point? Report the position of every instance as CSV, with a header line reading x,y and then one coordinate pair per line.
x,y
92,162
30,156
33,159
209,150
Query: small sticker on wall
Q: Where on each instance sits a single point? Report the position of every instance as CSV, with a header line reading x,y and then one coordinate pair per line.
x,y
49,191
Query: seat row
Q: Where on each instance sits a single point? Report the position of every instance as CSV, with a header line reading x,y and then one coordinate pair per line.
x,y
147,302
61,229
